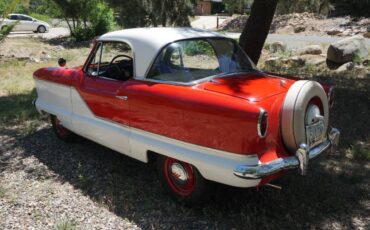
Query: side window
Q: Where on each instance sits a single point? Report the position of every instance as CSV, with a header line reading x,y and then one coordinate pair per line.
x,y
185,61
14,17
26,18
111,60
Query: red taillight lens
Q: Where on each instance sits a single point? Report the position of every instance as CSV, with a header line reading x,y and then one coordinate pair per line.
x,y
262,123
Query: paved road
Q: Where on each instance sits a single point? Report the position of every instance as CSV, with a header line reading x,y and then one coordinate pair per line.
x,y
293,40
207,22
53,33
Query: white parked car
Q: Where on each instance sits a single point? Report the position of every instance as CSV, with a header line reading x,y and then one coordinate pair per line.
x,y
25,23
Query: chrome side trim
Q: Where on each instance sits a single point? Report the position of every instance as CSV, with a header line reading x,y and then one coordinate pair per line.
x,y
124,98
303,155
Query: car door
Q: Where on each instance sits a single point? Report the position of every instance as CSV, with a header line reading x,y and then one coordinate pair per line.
x,y
102,91
27,23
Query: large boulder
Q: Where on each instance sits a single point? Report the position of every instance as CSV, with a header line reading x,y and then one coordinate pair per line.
x,y
347,50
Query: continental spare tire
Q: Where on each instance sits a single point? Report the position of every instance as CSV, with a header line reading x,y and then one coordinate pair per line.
x,y
303,99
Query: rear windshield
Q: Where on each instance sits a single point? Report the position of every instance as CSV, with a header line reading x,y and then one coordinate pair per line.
x,y
191,60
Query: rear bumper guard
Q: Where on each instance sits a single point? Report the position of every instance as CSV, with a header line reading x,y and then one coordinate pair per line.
x,y
300,160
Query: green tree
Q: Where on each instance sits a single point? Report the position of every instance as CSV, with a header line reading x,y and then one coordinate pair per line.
x,y
358,8
86,18
298,6
140,13
235,6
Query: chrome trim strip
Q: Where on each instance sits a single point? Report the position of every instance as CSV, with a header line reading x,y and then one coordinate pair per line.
x,y
191,83
269,168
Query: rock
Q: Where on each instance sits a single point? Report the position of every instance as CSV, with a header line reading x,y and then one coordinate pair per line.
x,y
58,48
299,29
234,24
277,47
345,67
21,58
367,35
34,59
44,56
348,32
271,62
312,49
347,50
297,61
314,60
334,32
360,71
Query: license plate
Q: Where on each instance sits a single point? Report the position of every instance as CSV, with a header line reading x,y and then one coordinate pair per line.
x,y
315,133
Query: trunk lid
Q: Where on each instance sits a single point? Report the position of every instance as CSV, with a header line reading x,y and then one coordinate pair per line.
x,y
250,86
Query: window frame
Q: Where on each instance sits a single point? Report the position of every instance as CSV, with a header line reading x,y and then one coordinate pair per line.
x,y
93,54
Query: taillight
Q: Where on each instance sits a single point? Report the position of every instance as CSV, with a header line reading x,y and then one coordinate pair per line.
x,y
262,123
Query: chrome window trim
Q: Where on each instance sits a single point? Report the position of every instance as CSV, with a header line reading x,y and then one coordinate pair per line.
x,y
191,83
100,42
260,117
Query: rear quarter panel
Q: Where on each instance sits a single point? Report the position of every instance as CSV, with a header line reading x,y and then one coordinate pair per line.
x,y
195,116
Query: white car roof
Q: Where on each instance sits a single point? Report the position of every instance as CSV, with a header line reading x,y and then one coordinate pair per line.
x,y
147,42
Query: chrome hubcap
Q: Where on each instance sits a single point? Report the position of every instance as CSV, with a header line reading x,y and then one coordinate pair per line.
x,y
179,172
313,115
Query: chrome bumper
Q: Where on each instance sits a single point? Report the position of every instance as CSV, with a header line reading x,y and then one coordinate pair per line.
x,y
300,160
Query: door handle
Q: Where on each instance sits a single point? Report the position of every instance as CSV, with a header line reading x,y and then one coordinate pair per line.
x,y
122,97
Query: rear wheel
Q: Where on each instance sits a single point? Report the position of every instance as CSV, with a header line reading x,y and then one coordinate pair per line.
x,y
182,180
41,29
61,132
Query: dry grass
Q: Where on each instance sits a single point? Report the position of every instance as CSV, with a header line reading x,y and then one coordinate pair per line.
x,y
17,85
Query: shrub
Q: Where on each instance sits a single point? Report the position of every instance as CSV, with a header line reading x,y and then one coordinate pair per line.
x,y
102,19
83,34
5,30
198,47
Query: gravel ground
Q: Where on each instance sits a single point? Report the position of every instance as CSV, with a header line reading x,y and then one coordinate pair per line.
x,y
49,184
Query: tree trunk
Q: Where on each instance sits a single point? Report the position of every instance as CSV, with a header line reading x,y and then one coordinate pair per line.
x,y
257,28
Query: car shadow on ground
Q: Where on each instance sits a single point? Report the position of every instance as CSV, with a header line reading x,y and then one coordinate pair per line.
x,y
335,194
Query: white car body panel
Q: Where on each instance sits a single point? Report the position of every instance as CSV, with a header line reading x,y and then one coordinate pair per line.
x,y
66,103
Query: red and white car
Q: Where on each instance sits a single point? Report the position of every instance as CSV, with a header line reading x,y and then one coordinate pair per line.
x,y
193,101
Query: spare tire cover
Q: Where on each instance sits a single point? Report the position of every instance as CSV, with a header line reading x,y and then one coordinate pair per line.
x,y
294,110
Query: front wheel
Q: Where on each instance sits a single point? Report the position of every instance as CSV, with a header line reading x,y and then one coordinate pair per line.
x,y
41,29
61,132
182,180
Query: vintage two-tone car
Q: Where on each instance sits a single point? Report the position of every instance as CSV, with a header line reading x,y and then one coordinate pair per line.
x,y
192,101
